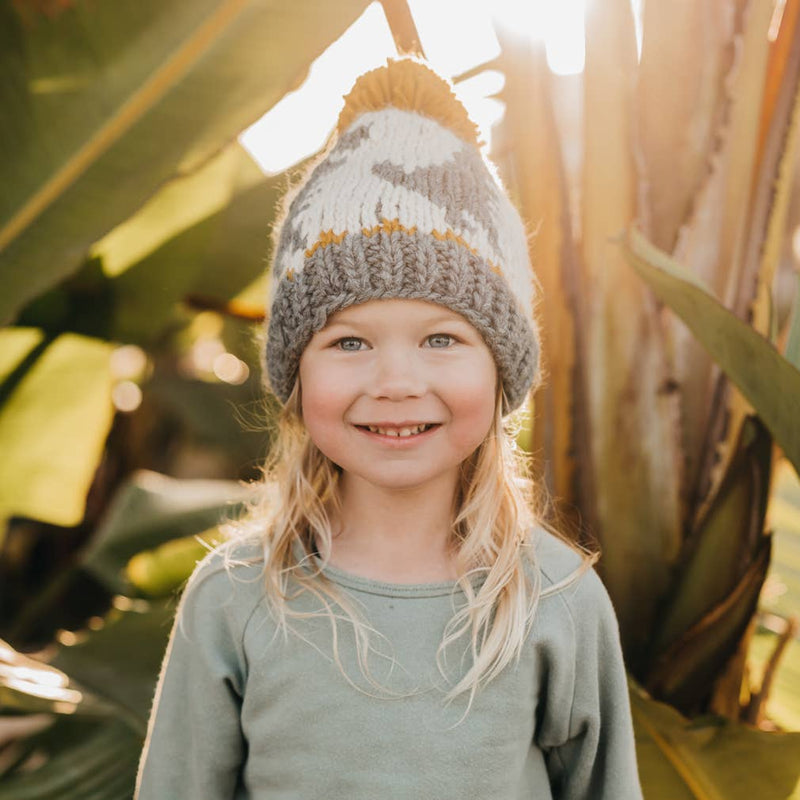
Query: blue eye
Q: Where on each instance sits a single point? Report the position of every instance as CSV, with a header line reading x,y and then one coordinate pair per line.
x,y
440,340
349,344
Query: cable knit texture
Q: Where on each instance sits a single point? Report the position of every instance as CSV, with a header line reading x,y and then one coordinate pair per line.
x,y
404,206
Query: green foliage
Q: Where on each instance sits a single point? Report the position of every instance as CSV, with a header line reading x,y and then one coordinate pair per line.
x,y
126,198
82,759
114,100
53,426
710,758
149,510
768,380
99,683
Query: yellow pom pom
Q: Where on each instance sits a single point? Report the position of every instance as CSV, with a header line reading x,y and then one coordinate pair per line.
x,y
409,85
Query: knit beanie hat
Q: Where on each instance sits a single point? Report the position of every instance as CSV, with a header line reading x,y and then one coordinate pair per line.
x,y
403,205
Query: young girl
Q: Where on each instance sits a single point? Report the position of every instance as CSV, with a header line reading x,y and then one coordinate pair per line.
x,y
394,623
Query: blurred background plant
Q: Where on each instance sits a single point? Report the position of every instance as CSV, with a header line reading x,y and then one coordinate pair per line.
x,y
652,149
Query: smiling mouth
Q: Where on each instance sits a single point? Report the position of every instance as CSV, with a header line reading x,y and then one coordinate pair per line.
x,y
402,433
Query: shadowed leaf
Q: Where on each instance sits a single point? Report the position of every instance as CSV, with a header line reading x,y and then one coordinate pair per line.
x,y
51,449
768,381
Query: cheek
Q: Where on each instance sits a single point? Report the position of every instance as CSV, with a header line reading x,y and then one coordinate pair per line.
x,y
324,407
477,414
317,405
473,404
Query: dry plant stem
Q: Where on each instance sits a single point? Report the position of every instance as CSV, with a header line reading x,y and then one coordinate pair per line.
x,y
756,708
726,696
401,24
230,309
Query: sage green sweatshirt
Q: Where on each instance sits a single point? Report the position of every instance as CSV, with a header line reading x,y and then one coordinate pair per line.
x,y
242,711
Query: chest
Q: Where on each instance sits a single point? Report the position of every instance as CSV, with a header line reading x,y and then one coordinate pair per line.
x,y
386,728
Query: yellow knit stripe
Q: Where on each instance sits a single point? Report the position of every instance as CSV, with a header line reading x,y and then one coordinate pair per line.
x,y
328,237
128,114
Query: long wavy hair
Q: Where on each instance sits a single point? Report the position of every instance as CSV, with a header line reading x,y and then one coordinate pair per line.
x,y
496,509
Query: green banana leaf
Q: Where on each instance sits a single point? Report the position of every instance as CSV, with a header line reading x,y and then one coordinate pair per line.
x,y
232,419
92,749
781,596
31,686
16,344
112,100
710,758
793,338
75,759
769,382
120,660
203,235
151,509
217,256
165,569
113,665
717,589
51,447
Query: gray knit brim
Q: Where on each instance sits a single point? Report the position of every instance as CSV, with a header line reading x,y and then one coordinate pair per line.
x,y
400,265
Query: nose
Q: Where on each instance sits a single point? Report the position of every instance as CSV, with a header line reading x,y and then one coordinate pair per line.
x,y
398,375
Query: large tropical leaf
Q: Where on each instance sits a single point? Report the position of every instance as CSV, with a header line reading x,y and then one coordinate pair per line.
x,y
768,381
201,235
780,599
710,758
75,759
53,425
163,570
119,661
33,687
216,257
94,750
114,99
151,509
17,344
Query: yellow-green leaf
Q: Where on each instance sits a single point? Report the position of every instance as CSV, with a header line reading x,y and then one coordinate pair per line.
x,y
710,758
15,345
158,572
111,100
151,509
768,381
53,426
724,542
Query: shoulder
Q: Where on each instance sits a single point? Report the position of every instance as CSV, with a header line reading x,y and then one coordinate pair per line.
x,y
228,582
553,557
567,578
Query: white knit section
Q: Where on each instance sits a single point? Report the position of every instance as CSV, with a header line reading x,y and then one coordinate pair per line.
x,y
346,197
515,260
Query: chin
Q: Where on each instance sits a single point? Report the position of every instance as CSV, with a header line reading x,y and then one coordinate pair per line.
x,y
397,481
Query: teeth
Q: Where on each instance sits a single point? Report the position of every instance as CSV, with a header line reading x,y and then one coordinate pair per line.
x,y
400,432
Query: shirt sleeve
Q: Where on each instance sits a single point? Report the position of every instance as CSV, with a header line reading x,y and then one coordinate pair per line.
x,y
593,754
194,745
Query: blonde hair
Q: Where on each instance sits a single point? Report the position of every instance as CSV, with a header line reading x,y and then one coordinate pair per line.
x,y
495,512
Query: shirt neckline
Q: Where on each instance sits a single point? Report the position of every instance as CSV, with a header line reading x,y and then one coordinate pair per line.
x,y
386,589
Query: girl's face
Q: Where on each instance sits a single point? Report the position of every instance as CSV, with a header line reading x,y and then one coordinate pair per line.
x,y
378,371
